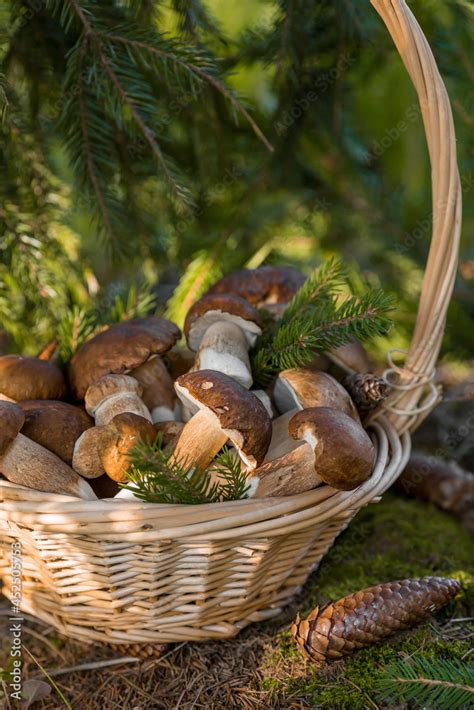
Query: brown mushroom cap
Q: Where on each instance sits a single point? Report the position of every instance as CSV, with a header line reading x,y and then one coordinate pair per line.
x,y
106,448
107,386
125,431
121,347
303,388
263,286
30,378
213,308
55,425
11,421
241,415
343,452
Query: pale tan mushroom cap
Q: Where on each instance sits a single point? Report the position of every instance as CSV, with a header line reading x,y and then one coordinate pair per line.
x,y
303,388
241,415
344,453
107,386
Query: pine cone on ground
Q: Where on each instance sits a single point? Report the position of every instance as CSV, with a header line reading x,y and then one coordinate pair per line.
x,y
443,483
367,391
369,616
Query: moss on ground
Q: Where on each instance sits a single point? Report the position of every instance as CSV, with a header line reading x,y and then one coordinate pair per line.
x,y
394,539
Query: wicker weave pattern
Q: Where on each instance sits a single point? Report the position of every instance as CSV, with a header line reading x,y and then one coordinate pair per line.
x,y
126,572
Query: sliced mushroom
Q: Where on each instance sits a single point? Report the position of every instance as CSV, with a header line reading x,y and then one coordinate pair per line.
x,y
344,453
158,390
222,328
55,425
225,411
302,388
26,463
115,394
30,378
106,449
119,349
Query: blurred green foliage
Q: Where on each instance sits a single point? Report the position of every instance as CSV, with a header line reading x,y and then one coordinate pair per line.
x,y
190,183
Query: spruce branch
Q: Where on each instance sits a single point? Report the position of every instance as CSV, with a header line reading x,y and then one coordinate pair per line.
x,y
437,683
317,320
154,478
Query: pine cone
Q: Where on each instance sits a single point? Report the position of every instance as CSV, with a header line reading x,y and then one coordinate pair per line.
x,y
360,619
367,391
443,483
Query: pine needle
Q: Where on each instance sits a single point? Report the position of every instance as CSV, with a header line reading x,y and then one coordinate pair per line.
x,y
317,320
154,478
431,683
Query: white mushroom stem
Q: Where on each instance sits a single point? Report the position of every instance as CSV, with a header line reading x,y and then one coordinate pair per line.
x,y
265,400
4,398
224,348
119,403
199,442
281,442
158,390
290,474
28,464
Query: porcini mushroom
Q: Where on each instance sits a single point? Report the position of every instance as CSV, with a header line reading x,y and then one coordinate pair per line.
x,y
26,463
222,328
158,390
224,410
55,425
349,358
291,473
268,287
119,349
30,378
301,388
344,453
106,449
112,395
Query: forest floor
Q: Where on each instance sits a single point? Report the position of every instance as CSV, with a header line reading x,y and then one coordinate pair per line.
x,y
261,668
394,539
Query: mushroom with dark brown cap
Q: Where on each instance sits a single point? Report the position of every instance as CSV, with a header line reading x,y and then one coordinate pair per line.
x,y
106,449
119,349
54,425
222,328
224,411
268,287
30,378
344,455
301,388
115,394
26,463
291,473
158,390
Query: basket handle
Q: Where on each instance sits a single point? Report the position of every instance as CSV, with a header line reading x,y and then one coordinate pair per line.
x,y
414,391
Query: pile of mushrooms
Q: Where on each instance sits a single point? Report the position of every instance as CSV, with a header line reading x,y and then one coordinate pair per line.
x,y
71,432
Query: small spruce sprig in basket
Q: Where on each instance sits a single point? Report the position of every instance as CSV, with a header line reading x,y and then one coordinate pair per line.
x,y
319,319
156,478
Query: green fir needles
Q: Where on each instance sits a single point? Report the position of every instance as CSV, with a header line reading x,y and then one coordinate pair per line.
x,y
319,319
156,479
429,683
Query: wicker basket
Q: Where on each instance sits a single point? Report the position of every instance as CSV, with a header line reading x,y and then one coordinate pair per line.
x,y
126,572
